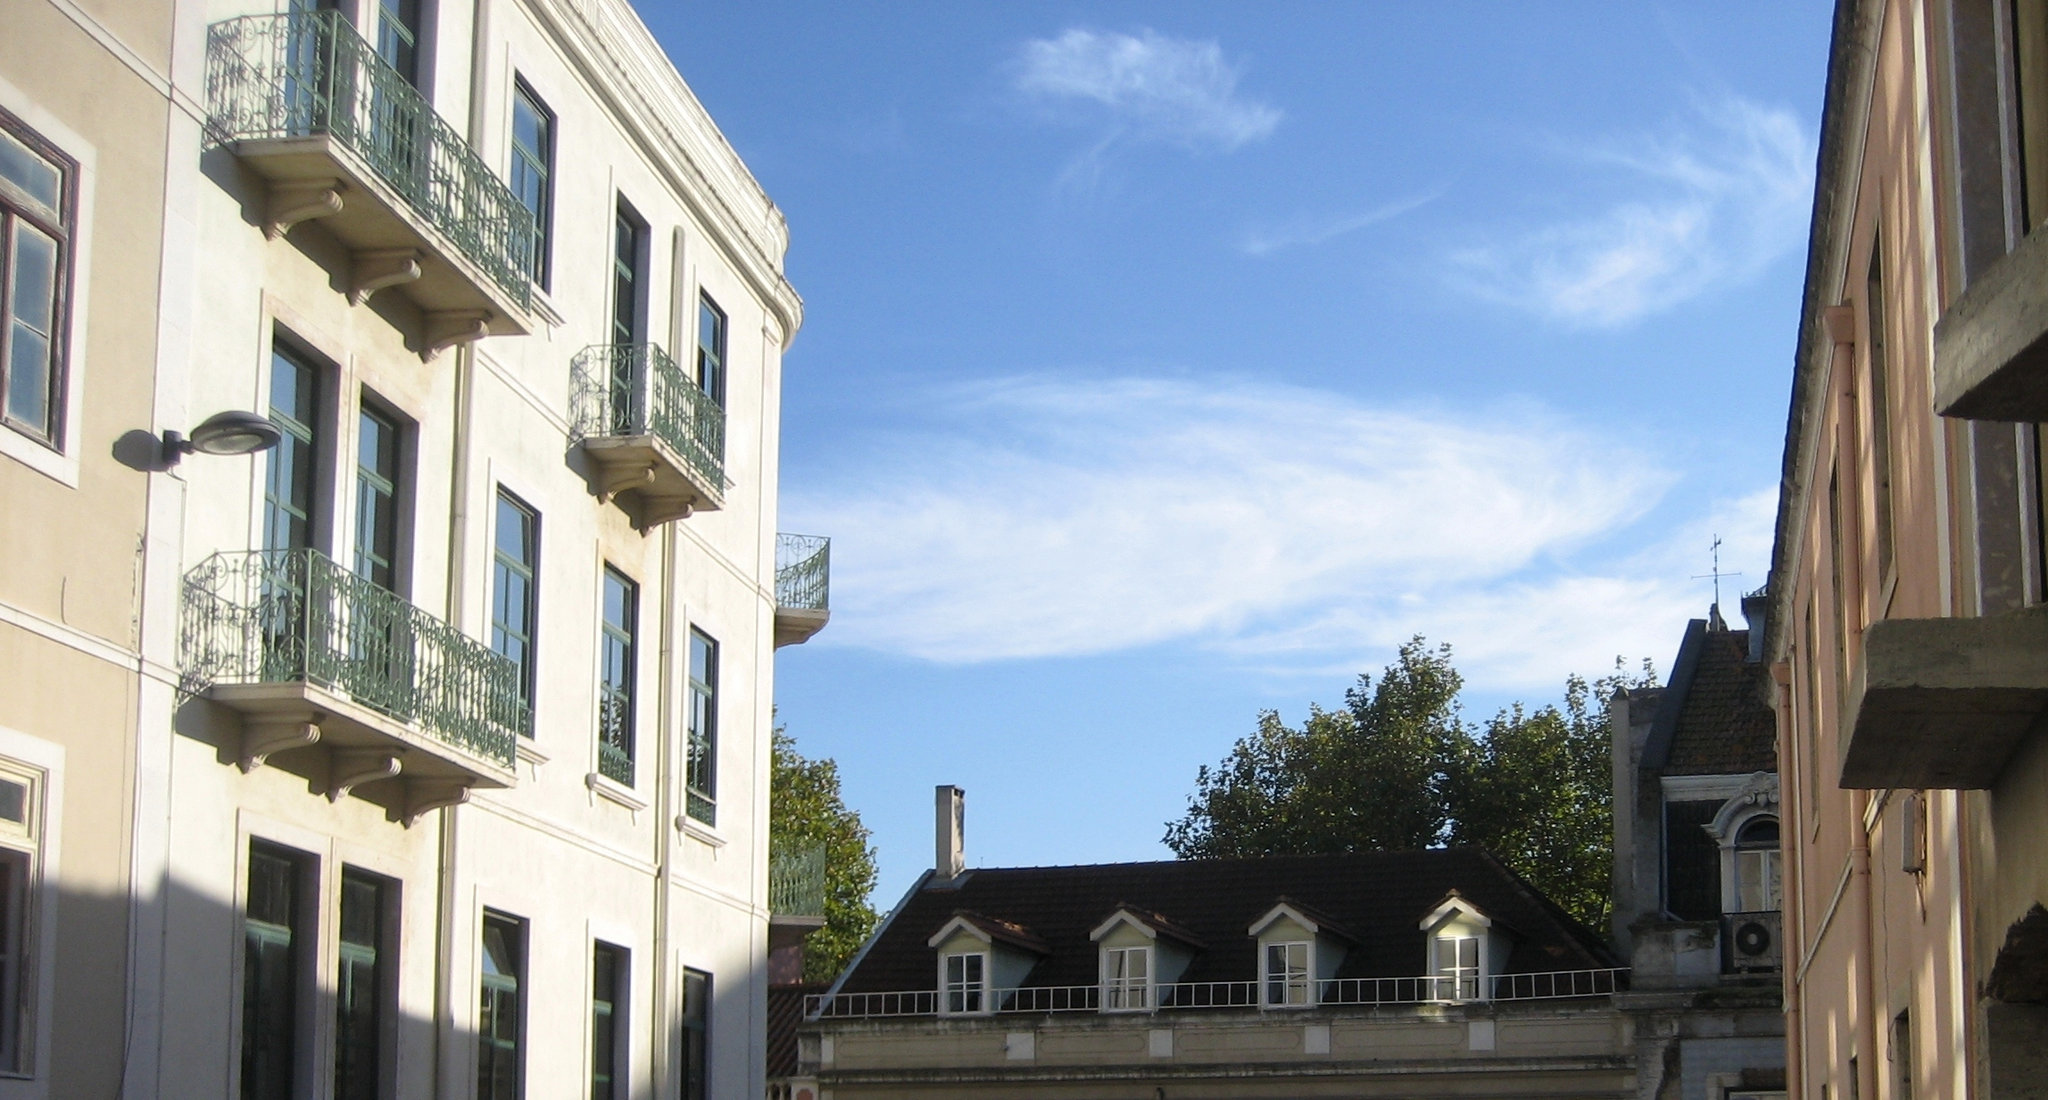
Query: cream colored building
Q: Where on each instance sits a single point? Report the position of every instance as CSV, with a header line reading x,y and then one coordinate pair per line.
x,y
424,753
1907,639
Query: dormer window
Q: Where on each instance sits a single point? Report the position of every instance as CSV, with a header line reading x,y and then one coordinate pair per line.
x,y
1465,950
1284,974
1756,866
1456,968
966,983
1126,979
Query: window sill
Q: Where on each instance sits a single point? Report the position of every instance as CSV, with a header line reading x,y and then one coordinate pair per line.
x,y
544,308
529,753
691,827
617,792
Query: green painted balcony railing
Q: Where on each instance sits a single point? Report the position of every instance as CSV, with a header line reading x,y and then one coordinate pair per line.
x,y
803,572
294,616
615,738
796,882
306,74
636,389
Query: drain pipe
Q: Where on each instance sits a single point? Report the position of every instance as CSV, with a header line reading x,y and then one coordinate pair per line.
x,y
665,811
445,895
1866,1026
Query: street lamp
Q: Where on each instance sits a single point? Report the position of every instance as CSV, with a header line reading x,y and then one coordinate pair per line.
x,y
223,433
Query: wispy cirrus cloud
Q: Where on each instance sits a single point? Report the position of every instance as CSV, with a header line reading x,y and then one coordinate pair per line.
x,y
1721,193
1067,515
1265,240
1144,87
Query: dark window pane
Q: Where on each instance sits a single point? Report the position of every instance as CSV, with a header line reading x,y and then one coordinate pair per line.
x,y
23,168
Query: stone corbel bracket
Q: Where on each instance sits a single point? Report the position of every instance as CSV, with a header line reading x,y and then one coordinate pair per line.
x,y
618,479
351,769
423,797
263,737
454,327
657,510
294,201
377,268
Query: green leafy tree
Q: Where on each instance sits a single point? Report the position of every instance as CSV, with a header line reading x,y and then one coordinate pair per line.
x,y
805,812
1399,768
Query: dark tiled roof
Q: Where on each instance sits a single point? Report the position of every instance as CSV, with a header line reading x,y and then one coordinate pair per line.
x,y
1724,724
785,1012
1377,897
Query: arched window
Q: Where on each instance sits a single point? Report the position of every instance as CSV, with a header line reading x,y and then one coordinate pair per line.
x,y
1756,865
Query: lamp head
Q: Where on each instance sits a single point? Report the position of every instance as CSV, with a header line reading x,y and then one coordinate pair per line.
x,y
224,433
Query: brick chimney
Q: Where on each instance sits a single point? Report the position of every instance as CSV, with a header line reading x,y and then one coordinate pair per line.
x,y
950,818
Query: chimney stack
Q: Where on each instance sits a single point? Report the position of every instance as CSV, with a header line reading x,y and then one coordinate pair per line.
x,y
950,858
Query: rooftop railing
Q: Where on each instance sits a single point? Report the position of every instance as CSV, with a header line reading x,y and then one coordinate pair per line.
x,y
294,616
636,389
803,572
1176,996
309,74
796,882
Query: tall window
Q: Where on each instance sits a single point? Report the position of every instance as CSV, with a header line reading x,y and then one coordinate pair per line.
x,y
533,161
291,465
629,270
1456,967
361,980
271,972
966,982
1126,978
615,679
35,238
608,1061
711,349
1756,866
1287,973
19,844
398,37
700,778
696,1067
514,595
2030,50
501,1019
1880,409
377,511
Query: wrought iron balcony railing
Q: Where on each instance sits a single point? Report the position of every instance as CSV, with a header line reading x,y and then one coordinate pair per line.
x,y
615,739
803,572
294,616
310,74
625,392
796,882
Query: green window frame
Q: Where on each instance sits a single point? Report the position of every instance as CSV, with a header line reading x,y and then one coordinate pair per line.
x,y
700,778
38,195
711,332
364,985
501,1020
291,470
379,443
398,37
273,973
616,679
695,1072
610,969
532,169
515,590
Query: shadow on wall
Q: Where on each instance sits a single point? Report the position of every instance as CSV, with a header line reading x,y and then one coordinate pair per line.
x,y
2016,1011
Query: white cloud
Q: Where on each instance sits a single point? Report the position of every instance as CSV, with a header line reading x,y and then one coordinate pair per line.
x,y
1308,231
1072,515
1724,192
1147,86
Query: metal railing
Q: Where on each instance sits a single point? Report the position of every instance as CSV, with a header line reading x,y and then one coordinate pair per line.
x,y
294,616
803,572
614,763
636,389
1366,992
796,882
1752,942
303,74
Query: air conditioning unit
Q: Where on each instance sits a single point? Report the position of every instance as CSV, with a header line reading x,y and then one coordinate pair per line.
x,y
1751,942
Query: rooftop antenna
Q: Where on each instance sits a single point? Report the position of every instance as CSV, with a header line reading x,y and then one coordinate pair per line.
x,y
1715,549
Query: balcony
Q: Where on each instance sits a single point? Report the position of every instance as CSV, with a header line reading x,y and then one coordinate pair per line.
x,y
1943,703
1991,347
655,442
340,136
796,882
1752,943
314,657
803,587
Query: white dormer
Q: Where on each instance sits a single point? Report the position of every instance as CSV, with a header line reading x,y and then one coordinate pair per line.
x,y
978,957
1298,950
1464,950
1139,952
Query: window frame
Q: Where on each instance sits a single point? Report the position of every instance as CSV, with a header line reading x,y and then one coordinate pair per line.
x,y
60,225
694,1037
527,569
24,849
1121,992
614,1010
383,961
971,994
300,934
541,162
487,983
618,652
716,354
305,426
393,485
1465,982
700,745
1287,983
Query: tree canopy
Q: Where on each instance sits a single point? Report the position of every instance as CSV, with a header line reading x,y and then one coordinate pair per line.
x,y
806,811
1399,767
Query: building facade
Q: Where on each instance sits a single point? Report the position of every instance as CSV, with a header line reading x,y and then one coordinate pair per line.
x,y
1431,973
1905,637
424,750
1696,870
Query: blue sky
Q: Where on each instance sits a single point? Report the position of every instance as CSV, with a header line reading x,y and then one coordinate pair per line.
x,y
1168,362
